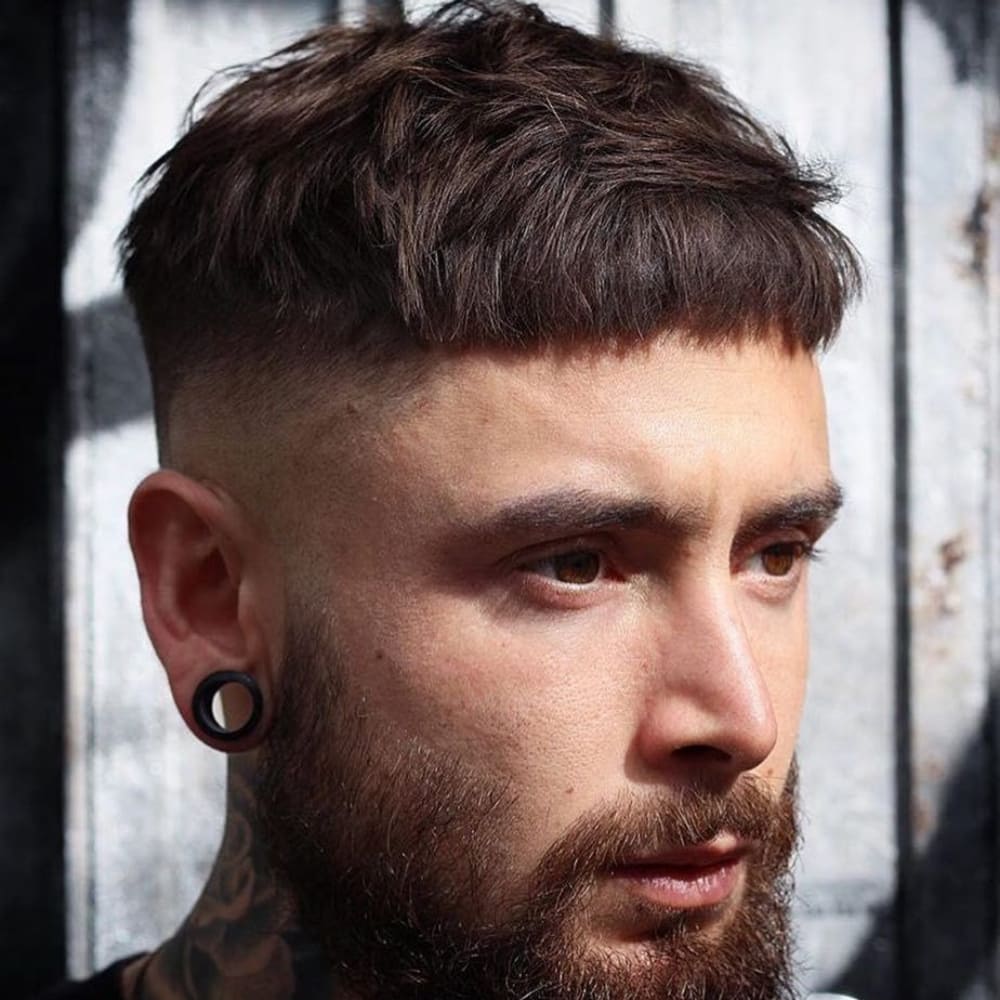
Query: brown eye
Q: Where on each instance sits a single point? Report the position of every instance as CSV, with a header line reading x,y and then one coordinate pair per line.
x,y
779,560
576,567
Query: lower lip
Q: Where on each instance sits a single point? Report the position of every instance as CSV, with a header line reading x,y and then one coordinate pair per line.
x,y
683,887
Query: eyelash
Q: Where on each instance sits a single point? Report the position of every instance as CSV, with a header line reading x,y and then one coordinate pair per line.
x,y
580,549
805,551
778,587
541,589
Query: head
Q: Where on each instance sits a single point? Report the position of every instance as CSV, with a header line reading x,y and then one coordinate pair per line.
x,y
484,359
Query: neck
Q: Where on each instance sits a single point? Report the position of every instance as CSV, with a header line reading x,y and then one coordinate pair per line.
x,y
241,938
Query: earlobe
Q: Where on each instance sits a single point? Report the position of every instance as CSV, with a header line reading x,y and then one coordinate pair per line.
x,y
194,553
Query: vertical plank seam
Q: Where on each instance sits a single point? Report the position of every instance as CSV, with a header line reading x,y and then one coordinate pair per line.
x,y
988,23
58,443
906,985
386,9
606,15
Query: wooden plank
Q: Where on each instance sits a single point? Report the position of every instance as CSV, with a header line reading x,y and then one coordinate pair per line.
x,y
991,93
819,72
135,861
954,415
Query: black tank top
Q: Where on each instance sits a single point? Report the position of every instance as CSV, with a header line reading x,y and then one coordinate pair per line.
x,y
106,985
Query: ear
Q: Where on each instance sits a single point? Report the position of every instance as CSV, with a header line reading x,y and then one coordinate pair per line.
x,y
207,598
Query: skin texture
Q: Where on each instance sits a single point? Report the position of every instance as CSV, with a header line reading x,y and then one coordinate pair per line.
x,y
439,540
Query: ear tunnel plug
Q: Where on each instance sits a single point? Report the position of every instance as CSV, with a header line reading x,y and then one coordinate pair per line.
x,y
204,696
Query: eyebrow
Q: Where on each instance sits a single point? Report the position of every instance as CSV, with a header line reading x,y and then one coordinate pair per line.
x,y
569,511
811,507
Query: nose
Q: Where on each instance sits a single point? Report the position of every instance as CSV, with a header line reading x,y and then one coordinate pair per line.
x,y
708,711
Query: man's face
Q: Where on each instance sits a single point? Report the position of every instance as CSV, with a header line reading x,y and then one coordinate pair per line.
x,y
544,669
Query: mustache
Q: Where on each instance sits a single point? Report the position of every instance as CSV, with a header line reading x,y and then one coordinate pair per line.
x,y
612,835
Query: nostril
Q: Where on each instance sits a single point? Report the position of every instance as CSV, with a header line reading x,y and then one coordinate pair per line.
x,y
701,752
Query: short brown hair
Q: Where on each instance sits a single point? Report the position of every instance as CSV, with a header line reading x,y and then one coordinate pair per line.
x,y
484,176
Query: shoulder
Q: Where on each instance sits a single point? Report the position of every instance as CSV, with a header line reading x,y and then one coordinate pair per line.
x,y
105,985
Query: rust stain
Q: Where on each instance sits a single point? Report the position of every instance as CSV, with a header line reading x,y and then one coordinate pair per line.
x,y
953,552
993,144
922,819
938,583
931,771
975,230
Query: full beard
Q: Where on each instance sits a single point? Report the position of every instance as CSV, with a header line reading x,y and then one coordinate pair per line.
x,y
398,857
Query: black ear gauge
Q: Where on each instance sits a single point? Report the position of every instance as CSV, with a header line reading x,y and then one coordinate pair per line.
x,y
204,695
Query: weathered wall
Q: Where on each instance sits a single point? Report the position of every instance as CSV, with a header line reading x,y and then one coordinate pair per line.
x,y
898,885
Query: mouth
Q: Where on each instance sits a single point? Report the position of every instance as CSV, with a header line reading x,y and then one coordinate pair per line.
x,y
687,878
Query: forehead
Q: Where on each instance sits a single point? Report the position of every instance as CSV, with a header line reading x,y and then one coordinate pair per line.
x,y
664,416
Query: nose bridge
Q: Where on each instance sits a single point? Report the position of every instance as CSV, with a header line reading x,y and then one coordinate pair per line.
x,y
710,698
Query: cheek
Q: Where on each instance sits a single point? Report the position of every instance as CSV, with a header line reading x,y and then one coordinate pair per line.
x,y
544,703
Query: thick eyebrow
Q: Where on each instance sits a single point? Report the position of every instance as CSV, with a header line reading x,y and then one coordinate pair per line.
x,y
580,512
569,512
811,507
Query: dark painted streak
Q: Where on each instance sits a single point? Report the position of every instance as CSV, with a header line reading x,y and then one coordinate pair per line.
x,y
31,374
950,955
963,26
96,33
119,389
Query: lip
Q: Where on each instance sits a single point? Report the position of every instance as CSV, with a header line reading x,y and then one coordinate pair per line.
x,y
687,878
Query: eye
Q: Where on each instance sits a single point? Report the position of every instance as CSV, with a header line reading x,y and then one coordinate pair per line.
x,y
782,558
577,568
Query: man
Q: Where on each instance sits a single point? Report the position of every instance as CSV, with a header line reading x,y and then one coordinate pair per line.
x,y
494,453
